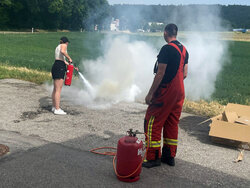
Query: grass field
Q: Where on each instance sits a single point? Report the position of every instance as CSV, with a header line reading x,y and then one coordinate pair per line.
x,y
233,82
231,36
36,53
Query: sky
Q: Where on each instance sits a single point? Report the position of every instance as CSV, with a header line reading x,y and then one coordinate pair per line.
x,y
179,2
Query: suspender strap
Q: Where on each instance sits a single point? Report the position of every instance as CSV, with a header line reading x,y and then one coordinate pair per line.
x,y
183,53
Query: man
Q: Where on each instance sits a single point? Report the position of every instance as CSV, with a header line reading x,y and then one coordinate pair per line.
x,y
165,99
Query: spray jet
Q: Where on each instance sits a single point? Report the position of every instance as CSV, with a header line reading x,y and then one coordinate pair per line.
x,y
89,87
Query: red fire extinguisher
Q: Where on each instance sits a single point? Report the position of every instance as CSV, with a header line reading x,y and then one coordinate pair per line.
x,y
69,74
129,158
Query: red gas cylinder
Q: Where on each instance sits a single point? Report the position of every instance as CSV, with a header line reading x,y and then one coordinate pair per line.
x,y
129,158
69,74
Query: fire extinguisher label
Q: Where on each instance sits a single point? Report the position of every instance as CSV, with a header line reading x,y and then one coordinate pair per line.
x,y
139,151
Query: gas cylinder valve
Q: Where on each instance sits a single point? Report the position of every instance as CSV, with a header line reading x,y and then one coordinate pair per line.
x,y
131,133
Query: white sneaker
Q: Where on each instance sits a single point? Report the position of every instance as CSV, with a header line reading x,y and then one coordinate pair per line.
x,y
53,109
59,112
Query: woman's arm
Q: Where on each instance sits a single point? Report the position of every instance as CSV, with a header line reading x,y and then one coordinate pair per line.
x,y
64,52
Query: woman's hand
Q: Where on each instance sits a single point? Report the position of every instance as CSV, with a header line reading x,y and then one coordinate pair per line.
x,y
76,68
70,60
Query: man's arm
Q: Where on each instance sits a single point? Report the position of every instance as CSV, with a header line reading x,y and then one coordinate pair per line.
x,y
157,80
185,70
64,52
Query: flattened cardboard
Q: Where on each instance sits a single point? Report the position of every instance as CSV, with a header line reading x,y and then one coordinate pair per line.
x,y
219,117
231,131
243,120
230,116
241,110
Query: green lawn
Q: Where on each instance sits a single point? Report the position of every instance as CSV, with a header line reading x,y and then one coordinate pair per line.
x,y
36,51
233,82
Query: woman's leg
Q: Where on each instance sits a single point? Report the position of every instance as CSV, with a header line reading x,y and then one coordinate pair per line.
x,y
56,95
53,96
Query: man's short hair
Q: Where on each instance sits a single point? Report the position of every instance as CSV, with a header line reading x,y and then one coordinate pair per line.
x,y
171,29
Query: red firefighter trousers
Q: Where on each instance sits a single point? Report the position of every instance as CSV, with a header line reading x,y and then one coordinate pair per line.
x,y
164,113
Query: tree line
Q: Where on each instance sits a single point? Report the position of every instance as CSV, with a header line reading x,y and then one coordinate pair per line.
x,y
53,14
133,17
86,14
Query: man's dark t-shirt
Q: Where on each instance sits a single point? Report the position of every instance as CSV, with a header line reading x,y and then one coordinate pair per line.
x,y
170,56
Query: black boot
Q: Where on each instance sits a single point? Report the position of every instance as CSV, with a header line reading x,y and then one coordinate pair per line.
x,y
166,156
152,163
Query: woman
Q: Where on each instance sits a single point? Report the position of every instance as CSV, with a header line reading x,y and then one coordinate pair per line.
x,y
58,73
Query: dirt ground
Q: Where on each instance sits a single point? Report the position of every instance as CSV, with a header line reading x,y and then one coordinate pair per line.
x,y
25,111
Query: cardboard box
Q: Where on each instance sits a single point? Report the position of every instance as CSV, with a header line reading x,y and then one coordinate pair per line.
x,y
229,116
243,120
232,127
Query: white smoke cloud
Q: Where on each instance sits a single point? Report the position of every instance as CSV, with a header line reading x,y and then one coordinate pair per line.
x,y
205,62
124,71
207,51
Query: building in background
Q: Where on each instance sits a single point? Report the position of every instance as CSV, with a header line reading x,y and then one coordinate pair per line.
x,y
114,26
154,27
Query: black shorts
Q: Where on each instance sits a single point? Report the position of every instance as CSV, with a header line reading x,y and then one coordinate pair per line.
x,y
58,70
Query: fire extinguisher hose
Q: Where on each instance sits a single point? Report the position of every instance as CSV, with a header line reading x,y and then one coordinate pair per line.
x,y
114,158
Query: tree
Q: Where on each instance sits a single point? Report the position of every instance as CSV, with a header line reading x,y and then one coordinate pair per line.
x,y
5,5
52,14
133,16
76,14
98,11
